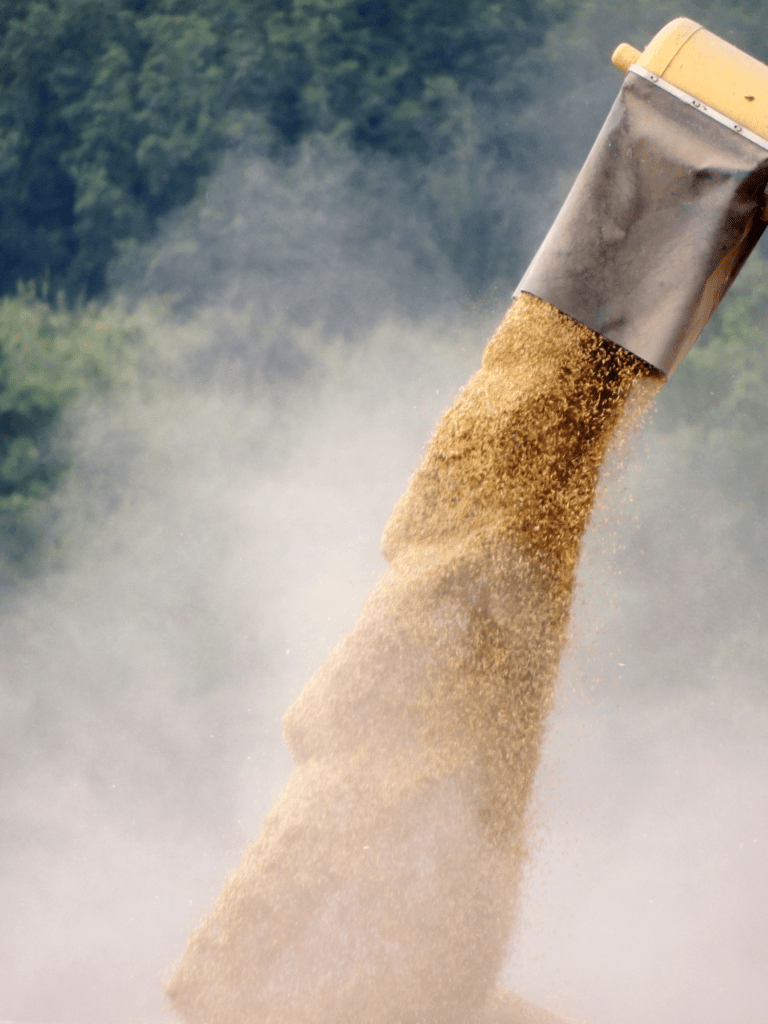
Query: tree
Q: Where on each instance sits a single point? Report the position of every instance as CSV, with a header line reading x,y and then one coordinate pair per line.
x,y
48,361
114,113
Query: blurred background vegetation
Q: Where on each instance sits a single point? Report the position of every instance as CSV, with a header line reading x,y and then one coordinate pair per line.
x,y
451,129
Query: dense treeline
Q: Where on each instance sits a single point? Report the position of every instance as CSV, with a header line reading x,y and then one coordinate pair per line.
x,y
428,136
114,113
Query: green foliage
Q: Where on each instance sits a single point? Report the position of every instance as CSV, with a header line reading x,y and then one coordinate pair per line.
x,y
107,120
392,73
48,361
720,417
704,496
724,379
113,113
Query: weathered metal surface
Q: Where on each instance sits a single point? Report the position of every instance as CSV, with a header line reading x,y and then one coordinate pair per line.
x,y
658,224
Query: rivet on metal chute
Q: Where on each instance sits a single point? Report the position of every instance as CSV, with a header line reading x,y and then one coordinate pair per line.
x,y
671,200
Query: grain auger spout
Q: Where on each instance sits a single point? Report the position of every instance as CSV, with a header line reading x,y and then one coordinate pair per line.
x,y
671,200
385,882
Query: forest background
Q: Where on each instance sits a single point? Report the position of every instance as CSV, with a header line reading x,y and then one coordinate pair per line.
x,y
219,223
456,126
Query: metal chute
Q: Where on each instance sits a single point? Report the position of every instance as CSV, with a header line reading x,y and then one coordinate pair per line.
x,y
670,201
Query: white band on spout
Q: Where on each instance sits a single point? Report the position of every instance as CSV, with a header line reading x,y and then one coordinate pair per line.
x,y
693,102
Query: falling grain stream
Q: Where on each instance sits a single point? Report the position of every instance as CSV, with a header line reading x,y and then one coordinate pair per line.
x,y
384,884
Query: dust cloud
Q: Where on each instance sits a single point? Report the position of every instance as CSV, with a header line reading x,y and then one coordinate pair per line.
x,y
647,896
145,681
217,537
383,885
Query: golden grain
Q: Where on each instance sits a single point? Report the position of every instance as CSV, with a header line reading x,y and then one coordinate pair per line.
x,y
382,888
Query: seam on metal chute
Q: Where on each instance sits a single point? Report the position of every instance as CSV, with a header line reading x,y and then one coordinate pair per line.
x,y
691,101
685,42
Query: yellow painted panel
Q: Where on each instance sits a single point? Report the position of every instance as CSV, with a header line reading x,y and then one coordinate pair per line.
x,y
710,69
665,45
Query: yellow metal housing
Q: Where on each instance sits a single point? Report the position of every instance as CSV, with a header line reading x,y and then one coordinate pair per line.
x,y
708,68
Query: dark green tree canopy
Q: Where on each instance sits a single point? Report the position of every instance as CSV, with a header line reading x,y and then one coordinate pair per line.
x,y
112,112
